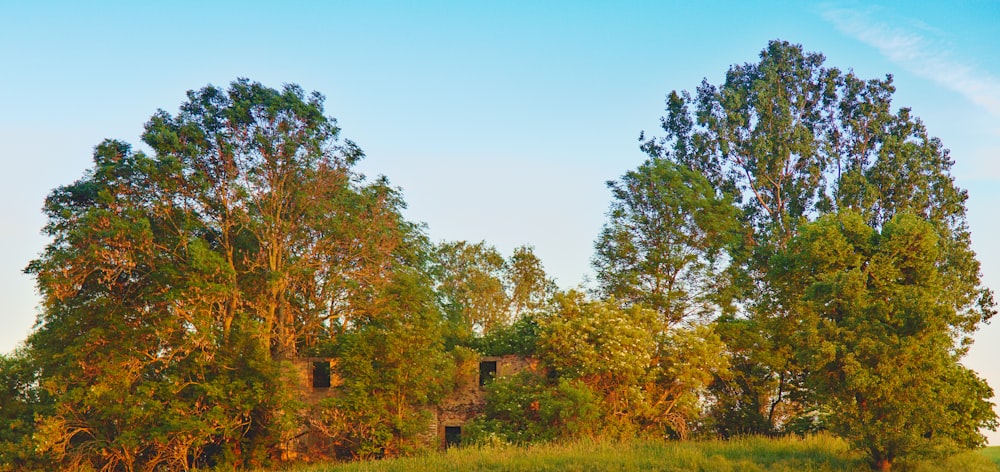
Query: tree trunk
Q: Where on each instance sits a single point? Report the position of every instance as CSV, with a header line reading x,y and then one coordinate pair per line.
x,y
883,465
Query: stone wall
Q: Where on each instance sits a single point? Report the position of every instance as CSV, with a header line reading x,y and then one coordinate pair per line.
x,y
465,402
304,385
307,443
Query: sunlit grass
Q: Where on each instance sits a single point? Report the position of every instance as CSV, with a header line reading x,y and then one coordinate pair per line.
x,y
811,454
993,453
749,454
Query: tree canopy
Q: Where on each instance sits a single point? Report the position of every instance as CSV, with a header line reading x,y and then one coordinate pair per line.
x,y
178,282
876,339
663,245
801,149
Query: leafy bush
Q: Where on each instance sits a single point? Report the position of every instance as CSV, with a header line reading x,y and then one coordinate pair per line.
x,y
520,338
527,408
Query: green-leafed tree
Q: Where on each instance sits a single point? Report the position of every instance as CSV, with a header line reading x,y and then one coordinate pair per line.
x,y
473,294
20,400
393,368
790,139
609,348
649,379
263,172
759,133
530,288
663,246
178,282
481,292
877,336
127,326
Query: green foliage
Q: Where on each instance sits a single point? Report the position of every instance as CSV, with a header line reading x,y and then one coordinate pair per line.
x,y
471,286
877,337
394,369
527,408
530,287
520,338
787,140
662,247
20,399
598,342
793,255
688,361
481,292
763,392
649,379
177,285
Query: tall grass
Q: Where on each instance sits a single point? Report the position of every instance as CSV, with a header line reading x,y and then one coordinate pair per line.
x,y
811,454
993,453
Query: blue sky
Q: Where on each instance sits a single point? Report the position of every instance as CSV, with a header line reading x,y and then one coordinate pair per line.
x,y
501,121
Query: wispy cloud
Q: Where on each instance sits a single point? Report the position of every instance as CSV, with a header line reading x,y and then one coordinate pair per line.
x,y
921,50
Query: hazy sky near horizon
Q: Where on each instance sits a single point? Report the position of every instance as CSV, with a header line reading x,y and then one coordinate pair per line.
x,y
501,121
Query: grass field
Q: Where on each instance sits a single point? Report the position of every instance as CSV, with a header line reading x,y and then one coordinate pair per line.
x,y
813,454
993,453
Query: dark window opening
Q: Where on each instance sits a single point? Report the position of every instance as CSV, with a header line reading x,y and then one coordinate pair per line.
x,y
321,374
487,372
452,436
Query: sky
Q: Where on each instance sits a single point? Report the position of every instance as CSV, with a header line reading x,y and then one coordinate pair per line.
x,y
500,121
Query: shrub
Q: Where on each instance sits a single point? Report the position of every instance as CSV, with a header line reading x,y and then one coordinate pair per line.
x,y
527,408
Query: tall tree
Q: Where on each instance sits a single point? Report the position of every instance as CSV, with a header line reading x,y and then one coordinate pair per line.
x,y
530,288
473,294
876,335
663,246
791,139
178,282
480,291
262,170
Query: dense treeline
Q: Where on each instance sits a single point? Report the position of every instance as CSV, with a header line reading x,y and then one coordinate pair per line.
x,y
792,257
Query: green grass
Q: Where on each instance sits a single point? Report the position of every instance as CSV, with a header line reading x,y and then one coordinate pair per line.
x,y
814,454
993,453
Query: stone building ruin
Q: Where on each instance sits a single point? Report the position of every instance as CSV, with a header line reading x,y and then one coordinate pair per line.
x,y
468,399
318,379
